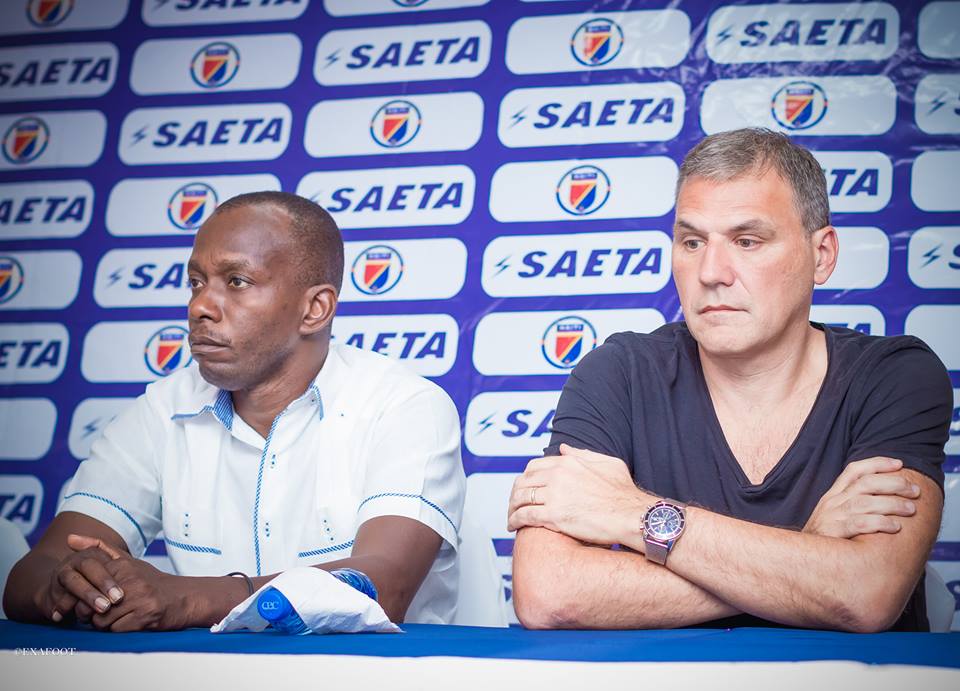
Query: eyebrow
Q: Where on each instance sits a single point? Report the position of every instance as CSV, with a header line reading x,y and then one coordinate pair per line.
x,y
225,266
754,225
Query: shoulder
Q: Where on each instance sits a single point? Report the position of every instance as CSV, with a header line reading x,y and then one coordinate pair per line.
x,y
183,391
371,375
629,353
888,362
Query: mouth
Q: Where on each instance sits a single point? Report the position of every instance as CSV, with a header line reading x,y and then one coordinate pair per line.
x,y
719,309
200,345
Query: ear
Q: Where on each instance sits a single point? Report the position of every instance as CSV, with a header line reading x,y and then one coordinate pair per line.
x,y
320,304
826,248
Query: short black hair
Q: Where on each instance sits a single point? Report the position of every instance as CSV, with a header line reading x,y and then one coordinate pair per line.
x,y
314,231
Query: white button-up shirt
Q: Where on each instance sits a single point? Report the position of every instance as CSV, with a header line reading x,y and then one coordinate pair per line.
x,y
368,438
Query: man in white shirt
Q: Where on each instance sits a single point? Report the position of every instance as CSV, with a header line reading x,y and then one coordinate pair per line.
x,y
276,449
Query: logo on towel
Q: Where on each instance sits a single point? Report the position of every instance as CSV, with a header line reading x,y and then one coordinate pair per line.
x,y
25,140
596,42
377,269
11,278
567,340
215,65
47,13
395,123
583,190
166,351
799,105
191,205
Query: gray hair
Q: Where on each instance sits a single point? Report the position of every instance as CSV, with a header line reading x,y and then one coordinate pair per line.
x,y
754,150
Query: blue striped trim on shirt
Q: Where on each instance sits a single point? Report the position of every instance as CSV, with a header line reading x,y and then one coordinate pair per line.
x,y
412,496
222,409
114,505
325,550
192,548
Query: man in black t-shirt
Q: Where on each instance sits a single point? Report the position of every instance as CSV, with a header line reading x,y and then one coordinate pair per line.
x,y
754,467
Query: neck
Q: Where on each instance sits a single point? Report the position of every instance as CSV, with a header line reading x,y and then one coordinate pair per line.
x,y
797,360
260,403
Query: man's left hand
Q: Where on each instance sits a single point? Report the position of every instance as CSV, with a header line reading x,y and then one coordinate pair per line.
x,y
152,600
586,495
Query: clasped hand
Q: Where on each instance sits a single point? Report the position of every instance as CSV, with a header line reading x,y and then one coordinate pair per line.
x,y
112,590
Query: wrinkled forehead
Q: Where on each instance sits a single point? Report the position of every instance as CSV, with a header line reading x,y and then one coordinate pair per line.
x,y
260,235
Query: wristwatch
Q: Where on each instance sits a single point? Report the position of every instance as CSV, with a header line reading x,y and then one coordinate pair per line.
x,y
662,527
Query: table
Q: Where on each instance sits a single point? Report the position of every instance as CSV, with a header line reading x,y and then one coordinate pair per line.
x,y
471,657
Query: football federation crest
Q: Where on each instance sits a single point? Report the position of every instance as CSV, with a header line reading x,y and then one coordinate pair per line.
x,y
47,13
596,42
191,205
215,65
25,140
583,190
395,123
11,278
167,351
376,269
799,105
567,340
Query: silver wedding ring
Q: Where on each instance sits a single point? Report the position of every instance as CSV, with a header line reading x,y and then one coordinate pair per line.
x,y
533,496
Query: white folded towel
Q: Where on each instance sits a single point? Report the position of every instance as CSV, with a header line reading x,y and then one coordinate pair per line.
x,y
324,602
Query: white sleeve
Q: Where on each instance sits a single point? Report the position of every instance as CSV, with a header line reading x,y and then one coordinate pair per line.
x,y
120,483
414,468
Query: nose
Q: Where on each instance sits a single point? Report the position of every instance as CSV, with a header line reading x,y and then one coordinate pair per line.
x,y
204,304
716,267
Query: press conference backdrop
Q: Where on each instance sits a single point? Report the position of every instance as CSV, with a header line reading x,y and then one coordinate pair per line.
x,y
503,172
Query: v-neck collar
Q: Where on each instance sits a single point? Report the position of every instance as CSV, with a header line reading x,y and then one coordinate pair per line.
x,y
788,458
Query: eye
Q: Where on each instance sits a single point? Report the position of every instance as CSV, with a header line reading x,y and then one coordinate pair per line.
x,y
692,243
194,282
746,243
237,282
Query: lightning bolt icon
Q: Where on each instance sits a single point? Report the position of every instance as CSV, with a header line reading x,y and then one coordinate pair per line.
x,y
139,135
518,117
486,423
724,35
332,58
115,276
932,255
90,428
502,266
939,102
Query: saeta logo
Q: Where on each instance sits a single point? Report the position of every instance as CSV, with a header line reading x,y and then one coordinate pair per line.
x,y
215,65
377,269
11,278
395,123
567,340
47,13
191,205
166,351
583,190
799,105
25,140
596,42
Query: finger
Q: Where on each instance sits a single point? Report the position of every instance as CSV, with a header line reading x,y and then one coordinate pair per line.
x,y
97,576
884,505
523,495
62,607
868,466
82,542
82,611
866,524
886,483
127,623
538,464
585,454
78,586
527,516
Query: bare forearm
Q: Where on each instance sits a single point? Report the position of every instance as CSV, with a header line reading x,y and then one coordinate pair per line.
x,y
21,597
794,578
594,587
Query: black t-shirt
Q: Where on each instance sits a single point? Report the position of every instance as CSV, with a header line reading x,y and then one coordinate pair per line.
x,y
643,398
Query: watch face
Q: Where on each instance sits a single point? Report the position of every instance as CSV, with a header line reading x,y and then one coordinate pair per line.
x,y
664,522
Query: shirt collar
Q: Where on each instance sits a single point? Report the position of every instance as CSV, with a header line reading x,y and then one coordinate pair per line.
x,y
219,402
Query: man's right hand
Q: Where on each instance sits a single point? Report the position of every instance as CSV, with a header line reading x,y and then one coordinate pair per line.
x,y
867,497
79,581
